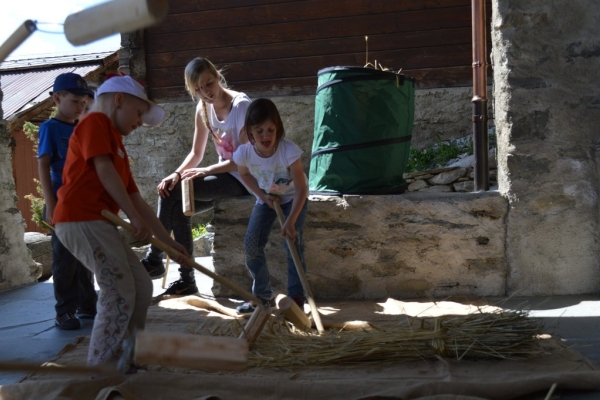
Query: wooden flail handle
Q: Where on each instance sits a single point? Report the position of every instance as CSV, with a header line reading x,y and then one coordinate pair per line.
x,y
188,261
298,263
187,197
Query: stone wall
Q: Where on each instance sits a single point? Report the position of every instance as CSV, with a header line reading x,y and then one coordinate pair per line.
x,y
546,100
156,152
410,245
546,57
17,267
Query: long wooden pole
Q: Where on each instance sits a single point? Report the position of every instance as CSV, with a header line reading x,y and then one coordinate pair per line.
x,y
114,16
49,367
300,270
115,219
17,38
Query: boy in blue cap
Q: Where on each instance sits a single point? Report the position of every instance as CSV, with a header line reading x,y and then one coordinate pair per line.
x,y
73,283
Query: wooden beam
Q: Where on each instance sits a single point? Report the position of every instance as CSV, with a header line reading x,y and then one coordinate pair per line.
x,y
168,349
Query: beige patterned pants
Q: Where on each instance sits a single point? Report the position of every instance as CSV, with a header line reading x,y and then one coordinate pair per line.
x,y
125,286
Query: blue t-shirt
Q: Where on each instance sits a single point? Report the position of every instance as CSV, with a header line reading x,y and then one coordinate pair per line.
x,y
54,138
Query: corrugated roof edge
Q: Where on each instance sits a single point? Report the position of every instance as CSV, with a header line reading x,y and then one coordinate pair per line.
x,y
44,62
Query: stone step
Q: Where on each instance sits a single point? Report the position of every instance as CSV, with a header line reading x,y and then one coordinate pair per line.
x,y
420,244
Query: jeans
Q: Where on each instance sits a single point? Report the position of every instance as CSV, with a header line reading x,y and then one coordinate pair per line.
x,y
257,236
73,283
170,213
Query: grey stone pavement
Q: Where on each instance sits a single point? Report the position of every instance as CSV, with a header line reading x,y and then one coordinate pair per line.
x,y
28,334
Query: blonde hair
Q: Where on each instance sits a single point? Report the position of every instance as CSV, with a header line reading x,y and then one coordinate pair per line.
x,y
193,70
105,104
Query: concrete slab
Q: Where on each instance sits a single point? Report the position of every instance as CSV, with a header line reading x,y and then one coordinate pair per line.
x,y
27,331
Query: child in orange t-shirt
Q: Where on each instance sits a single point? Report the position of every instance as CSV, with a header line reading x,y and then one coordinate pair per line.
x,y
97,176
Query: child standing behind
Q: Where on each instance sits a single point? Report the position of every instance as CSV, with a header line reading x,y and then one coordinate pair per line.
x,y
271,168
97,177
73,283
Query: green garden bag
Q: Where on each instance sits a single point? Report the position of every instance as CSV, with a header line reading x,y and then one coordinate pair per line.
x,y
363,125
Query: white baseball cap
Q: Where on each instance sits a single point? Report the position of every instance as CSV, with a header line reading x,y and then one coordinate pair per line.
x,y
126,84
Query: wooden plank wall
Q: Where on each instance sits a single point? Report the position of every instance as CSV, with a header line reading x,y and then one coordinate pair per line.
x,y
277,47
25,170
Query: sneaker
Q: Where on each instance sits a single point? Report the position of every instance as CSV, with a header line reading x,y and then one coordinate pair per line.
x,y
300,300
67,321
155,271
250,306
181,288
246,307
85,314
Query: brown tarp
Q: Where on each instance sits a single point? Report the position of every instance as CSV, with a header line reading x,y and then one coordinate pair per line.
x,y
427,379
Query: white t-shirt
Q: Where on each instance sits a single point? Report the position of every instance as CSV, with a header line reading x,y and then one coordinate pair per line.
x,y
272,173
229,129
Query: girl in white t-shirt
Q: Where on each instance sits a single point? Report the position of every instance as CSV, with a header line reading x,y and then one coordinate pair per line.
x,y
271,168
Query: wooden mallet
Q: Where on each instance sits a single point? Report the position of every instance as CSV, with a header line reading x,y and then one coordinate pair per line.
x,y
300,270
186,350
166,349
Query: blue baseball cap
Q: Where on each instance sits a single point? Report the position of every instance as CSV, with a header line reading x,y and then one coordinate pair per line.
x,y
72,83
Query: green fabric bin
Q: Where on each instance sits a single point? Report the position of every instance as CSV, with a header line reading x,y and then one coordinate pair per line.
x,y
363,126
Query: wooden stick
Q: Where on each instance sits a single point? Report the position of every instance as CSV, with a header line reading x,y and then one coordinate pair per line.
x,y
168,349
255,325
300,270
49,367
187,197
164,279
17,38
114,16
207,304
292,312
188,261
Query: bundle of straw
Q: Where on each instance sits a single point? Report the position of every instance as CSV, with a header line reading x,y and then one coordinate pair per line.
x,y
500,335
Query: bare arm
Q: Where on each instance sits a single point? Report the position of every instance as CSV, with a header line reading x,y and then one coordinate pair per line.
x,y
300,194
157,228
218,168
46,182
252,184
193,158
113,184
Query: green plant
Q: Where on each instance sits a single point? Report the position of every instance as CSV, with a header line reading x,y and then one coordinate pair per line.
x,y
37,203
440,153
199,231
31,131
37,207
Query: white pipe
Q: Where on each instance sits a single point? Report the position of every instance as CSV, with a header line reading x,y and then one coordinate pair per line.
x,y
112,17
19,36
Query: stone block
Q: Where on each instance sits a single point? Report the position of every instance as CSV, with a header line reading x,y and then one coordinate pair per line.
x,y
41,250
445,178
203,245
410,245
417,185
464,186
